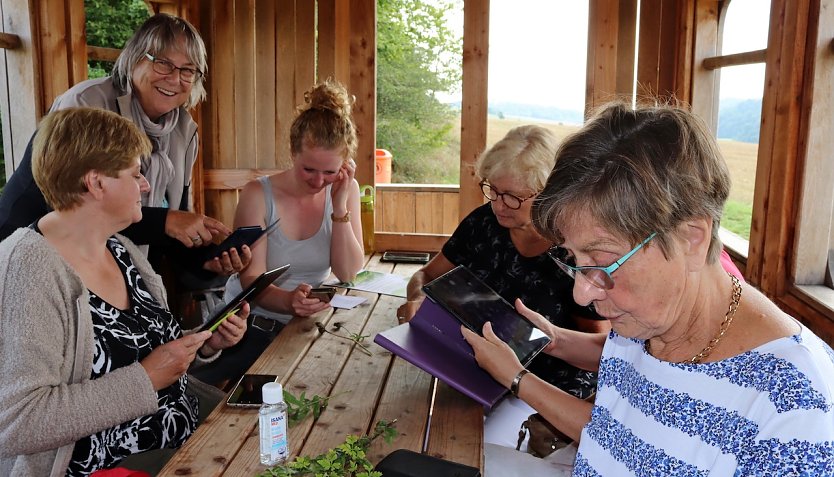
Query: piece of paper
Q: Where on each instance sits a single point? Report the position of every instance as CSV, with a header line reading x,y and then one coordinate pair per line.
x,y
346,301
377,282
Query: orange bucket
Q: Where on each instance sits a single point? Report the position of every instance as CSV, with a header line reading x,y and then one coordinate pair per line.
x,y
383,166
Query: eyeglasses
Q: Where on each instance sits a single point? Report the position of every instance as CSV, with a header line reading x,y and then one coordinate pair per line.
x,y
599,277
509,200
165,67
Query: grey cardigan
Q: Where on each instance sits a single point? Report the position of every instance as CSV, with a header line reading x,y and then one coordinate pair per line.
x,y
47,400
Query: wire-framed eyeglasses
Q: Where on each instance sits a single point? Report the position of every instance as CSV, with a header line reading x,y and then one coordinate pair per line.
x,y
599,277
165,67
511,201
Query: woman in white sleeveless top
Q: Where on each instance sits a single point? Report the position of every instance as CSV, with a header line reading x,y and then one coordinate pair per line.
x,y
316,204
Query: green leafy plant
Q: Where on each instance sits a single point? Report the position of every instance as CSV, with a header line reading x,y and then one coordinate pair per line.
x,y
345,460
355,337
300,407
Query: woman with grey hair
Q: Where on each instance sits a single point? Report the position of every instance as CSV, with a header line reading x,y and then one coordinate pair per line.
x,y
700,375
158,76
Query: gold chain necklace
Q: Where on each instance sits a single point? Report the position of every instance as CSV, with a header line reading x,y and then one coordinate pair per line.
x,y
728,320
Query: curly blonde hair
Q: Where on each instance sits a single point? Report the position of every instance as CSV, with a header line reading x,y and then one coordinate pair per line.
x,y
325,120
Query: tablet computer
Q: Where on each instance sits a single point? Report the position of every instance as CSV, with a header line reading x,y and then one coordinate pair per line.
x,y
237,239
474,303
248,294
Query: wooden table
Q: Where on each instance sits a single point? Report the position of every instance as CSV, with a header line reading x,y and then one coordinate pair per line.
x,y
431,417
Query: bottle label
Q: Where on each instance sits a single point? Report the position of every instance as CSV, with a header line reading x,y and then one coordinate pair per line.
x,y
274,437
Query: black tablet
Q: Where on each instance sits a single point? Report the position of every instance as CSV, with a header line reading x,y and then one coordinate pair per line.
x,y
474,303
237,239
250,293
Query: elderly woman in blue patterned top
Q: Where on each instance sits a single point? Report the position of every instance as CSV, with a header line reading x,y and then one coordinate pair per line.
x,y
93,362
700,375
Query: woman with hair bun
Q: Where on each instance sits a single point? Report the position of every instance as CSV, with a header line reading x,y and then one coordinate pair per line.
x,y
317,202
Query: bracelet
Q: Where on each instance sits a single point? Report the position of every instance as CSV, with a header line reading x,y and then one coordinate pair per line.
x,y
517,381
345,218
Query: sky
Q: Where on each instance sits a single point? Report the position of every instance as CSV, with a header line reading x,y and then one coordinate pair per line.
x,y
540,59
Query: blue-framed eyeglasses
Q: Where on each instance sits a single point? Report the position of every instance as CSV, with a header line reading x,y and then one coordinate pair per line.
x,y
599,277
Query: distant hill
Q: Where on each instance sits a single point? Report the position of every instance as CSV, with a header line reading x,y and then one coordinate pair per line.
x,y
738,119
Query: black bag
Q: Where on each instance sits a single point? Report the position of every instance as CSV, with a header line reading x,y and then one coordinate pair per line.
x,y
406,463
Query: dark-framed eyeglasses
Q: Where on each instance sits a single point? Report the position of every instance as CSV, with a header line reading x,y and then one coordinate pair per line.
x,y
165,67
511,201
599,277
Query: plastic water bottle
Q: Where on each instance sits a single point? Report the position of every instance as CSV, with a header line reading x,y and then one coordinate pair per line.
x,y
366,209
273,425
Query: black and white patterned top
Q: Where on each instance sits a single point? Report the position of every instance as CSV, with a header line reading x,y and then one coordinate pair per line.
x,y
483,246
124,337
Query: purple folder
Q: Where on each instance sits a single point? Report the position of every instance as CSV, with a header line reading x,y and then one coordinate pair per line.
x,y
432,341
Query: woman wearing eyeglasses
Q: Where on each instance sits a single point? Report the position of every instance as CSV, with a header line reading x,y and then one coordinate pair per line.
x,y
701,374
498,243
158,76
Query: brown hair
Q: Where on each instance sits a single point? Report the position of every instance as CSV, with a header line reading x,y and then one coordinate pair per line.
x,y
72,142
637,171
325,120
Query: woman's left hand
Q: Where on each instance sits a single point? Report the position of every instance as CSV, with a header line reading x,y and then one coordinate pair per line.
x,y
231,262
493,355
341,187
228,334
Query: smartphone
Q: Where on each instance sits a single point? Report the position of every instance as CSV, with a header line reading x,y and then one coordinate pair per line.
x,y
247,391
405,257
324,294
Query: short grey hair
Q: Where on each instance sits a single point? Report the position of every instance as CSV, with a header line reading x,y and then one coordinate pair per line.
x,y
158,34
526,153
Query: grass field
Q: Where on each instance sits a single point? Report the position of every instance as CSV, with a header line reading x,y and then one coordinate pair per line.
x,y
740,157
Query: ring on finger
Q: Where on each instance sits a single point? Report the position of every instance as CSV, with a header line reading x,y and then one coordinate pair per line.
x,y
196,239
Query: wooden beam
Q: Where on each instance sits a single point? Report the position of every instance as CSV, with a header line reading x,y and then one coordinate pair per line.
x,y
363,63
409,242
232,179
473,116
705,83
9,41
745,58
100,53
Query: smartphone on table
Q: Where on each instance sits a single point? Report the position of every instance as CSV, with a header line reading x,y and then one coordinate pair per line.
x,y
324,294
247,391
405,257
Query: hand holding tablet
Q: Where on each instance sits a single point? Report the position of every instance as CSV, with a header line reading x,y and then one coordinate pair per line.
x,y
250,293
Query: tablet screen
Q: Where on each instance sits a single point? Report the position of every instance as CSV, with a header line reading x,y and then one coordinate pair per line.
x,y
474,303
248,294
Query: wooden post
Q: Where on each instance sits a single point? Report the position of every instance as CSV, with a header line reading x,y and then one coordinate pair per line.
x,y
473,115
363,84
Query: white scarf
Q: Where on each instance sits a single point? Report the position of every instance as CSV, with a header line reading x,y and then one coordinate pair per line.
x,y
157,168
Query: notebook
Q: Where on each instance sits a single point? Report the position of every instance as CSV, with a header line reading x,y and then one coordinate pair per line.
x,y
432,340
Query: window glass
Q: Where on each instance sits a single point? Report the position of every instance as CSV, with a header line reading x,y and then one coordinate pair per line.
x,y
536,65
419,51
740,108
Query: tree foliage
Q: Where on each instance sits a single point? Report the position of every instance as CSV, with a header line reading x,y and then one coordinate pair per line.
x,y
110,23
418,56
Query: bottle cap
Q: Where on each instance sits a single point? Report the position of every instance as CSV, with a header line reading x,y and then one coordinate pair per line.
x,y
272,393
363,194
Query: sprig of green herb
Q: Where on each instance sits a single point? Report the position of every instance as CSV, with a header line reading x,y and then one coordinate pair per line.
x,y
355,337
345,460
300,407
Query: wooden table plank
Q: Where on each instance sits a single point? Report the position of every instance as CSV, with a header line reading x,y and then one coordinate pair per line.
x,y
316,374
456,431
407,397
